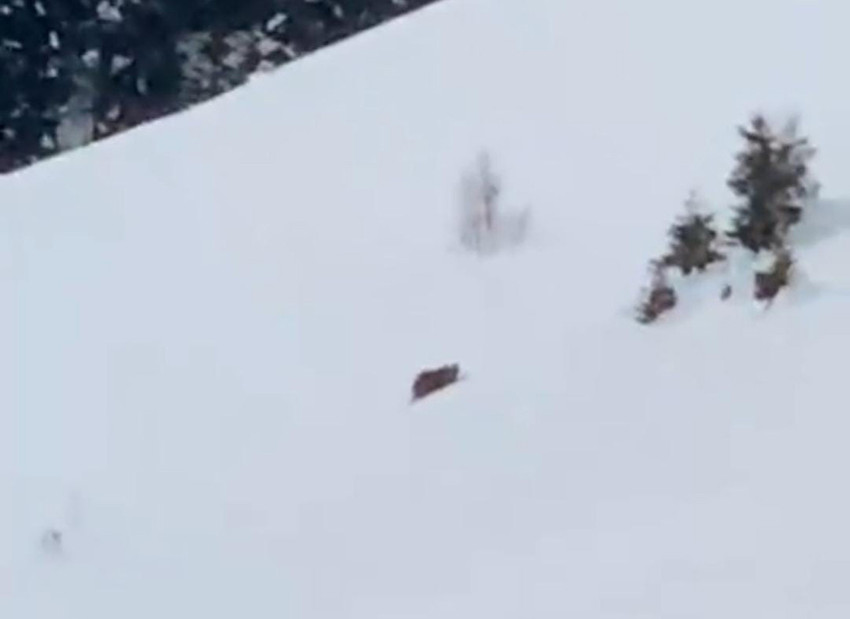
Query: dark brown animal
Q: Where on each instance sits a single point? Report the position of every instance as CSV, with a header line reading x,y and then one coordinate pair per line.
x,y
429,381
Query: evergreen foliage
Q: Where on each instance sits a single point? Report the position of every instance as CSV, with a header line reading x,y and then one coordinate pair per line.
x,y
772,179
693,240
72,71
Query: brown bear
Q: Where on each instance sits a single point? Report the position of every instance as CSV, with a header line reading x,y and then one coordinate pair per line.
x,y
430,381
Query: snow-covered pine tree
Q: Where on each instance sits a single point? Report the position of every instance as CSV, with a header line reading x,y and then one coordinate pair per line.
x,y
36,75
693,239
139,68
772,179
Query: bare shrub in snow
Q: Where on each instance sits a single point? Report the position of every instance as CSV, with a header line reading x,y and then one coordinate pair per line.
x,y
484,226
693,240
429,381
660,297
772,178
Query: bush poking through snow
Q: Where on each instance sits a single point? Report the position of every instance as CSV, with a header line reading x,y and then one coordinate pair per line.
x,y
693,240
429,381
769,283
659,298
772,179
484,227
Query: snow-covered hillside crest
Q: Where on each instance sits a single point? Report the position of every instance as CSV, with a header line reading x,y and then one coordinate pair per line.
x,y
210,327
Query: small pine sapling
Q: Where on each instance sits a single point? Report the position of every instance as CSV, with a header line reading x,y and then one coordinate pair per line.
x,y
693,240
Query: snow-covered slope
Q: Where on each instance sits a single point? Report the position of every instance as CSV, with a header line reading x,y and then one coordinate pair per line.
x,y
209,327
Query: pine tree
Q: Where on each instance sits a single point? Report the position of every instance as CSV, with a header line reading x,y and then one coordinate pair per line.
x,y
139,74
772,179
35,76
693,240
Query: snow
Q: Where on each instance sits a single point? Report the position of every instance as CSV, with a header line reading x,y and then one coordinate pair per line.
x,y
210,326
